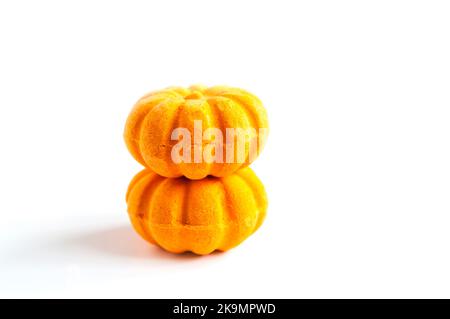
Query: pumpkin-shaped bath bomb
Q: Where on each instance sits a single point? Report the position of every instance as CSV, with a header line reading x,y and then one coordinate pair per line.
x,y
200,216
198,113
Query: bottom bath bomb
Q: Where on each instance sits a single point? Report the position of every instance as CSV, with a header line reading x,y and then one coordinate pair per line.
x,y
201,216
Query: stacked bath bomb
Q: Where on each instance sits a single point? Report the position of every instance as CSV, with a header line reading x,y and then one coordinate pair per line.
x,y
196,192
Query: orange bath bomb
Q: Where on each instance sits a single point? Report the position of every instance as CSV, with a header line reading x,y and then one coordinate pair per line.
x,y
180,214
150,126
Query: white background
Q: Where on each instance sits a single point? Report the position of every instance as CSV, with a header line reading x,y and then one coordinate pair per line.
x,y
357,166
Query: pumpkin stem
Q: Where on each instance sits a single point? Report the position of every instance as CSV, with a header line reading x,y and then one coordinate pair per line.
x,y
194,95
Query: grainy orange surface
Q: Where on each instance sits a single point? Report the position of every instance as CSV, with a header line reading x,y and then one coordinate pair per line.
x,y
201,216
154,117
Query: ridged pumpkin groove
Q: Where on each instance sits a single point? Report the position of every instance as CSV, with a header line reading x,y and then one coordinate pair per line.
x,y
154,117
180,214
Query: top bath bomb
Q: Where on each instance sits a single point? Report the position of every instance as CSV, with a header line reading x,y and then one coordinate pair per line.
x,y
196,131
